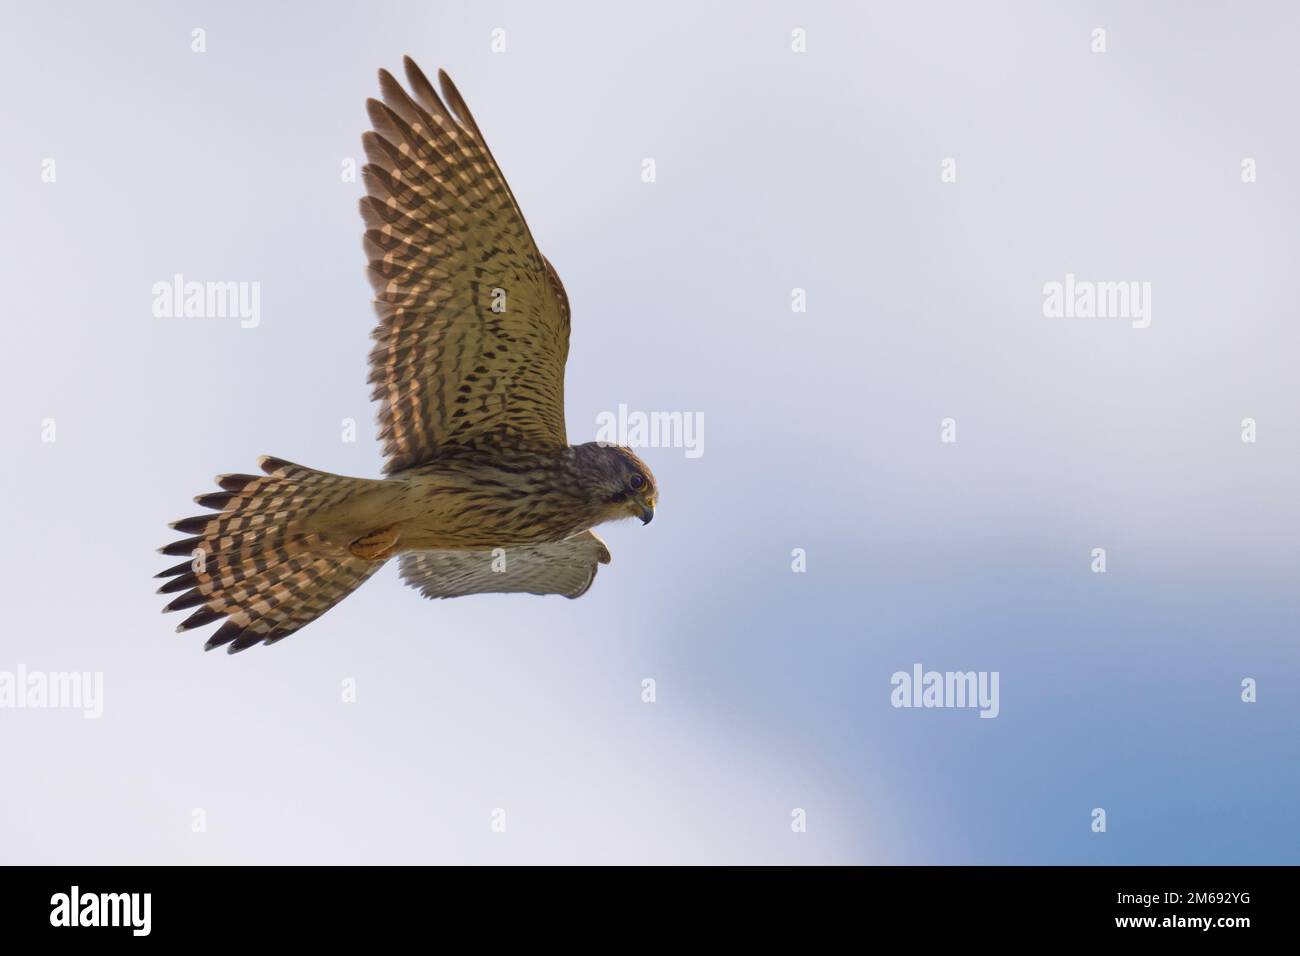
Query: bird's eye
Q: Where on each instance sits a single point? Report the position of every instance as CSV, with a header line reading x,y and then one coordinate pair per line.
x,y
636,482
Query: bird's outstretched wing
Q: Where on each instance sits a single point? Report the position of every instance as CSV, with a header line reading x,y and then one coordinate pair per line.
x,y
563,567
473,321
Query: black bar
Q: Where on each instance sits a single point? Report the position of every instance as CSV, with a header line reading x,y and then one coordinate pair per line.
x,y
368,904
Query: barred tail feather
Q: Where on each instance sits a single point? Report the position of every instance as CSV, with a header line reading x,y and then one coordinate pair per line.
x,y
256,562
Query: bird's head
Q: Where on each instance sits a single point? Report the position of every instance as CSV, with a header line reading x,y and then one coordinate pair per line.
x,y
618,482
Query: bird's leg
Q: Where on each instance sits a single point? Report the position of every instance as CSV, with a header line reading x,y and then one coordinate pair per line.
x,y
376,545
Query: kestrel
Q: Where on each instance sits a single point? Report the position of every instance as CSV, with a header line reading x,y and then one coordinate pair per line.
x,y
483,491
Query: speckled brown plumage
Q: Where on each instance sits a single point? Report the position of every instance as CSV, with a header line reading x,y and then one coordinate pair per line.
x,y
473,323
483,492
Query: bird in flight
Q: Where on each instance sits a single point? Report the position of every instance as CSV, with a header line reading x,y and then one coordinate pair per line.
x,y
483,492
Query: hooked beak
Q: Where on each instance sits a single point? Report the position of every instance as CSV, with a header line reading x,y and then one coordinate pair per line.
x,y
647,511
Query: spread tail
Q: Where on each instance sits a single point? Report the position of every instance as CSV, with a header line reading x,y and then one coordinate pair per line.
x,y
259,563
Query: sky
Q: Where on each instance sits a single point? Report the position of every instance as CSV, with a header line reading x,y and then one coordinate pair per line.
x,y
841,268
